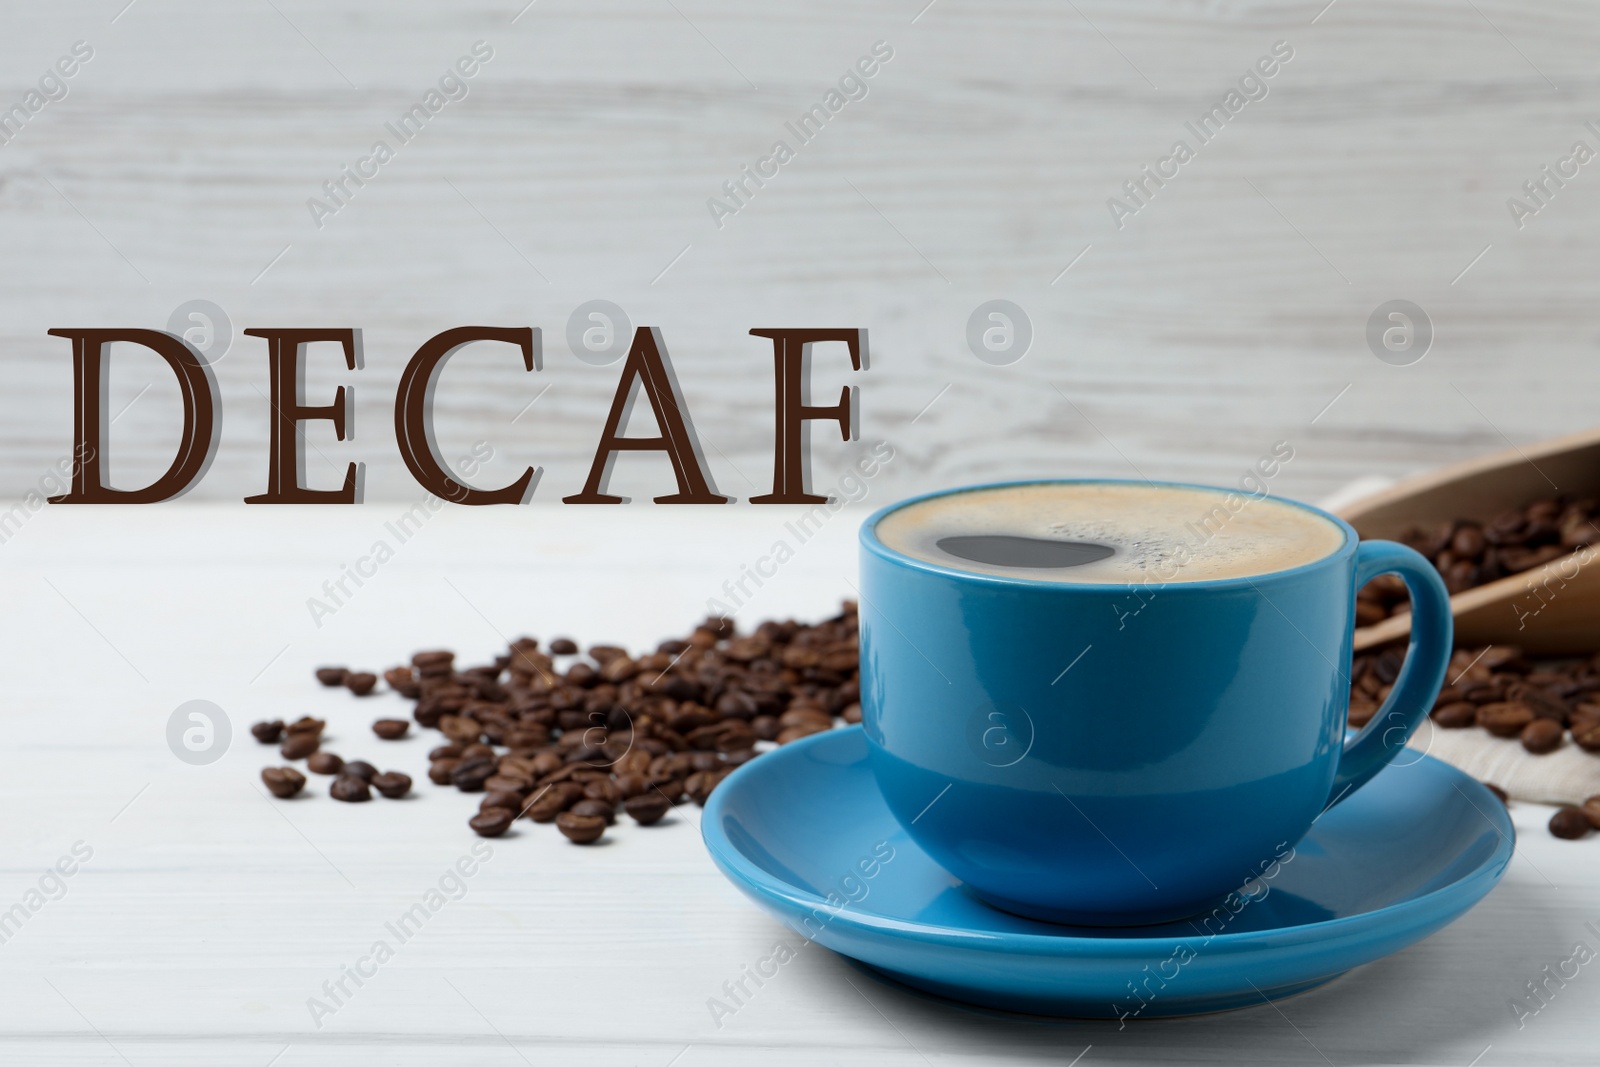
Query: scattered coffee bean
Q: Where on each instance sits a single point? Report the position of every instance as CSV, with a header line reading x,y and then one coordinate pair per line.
x,y
548,802
306,725
267,733
1570,823
1500,689
608,812
392,784
647,731
299,746
1499,793
647,809
1542,735
324,763
403,680
350,789
497,799
360,768
470,775
331,676
1591,809
587,829
283,782
360,683
1455,716
1504,719
492,822
433,664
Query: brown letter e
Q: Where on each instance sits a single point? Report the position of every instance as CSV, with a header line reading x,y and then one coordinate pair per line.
x,y
285,458
201,428
791,356
413,414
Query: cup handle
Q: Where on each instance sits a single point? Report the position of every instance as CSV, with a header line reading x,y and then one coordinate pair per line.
x,y
1421,676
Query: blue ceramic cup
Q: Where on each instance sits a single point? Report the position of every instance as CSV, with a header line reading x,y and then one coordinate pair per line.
x,y
1073,762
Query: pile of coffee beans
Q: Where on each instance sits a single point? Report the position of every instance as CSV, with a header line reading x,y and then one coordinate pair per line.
x,y
1544,703
554,736
1469,553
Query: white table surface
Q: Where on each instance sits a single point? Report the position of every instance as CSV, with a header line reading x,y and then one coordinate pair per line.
x,y
208,914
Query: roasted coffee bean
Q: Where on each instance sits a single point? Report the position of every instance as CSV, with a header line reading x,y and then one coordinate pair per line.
x,y
1591,809
459,728
647,809
403,680
1570,823
1498,792
299,746
1543,703
324,763
306,725
283,782
507,783
350,789
392,784
470,775
267,733
433,664
1541,736
1505,719
618,727
360,683
391,729
552,800
360,768
491,823
795,733
1587,736
1468,542
1456,715
510,801
331,676
608,812
587,829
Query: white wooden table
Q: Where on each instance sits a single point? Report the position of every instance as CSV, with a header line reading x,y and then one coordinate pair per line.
x,y
208,915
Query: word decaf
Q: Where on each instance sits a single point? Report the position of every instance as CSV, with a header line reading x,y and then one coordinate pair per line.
x,y
646,370
553,736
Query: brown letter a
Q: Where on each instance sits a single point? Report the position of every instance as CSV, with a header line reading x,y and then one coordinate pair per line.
x,y
647,364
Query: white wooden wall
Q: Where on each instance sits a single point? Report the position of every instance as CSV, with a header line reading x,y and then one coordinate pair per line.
x,y
1224,316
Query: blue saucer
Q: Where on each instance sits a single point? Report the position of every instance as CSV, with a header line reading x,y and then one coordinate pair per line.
x,y
804,832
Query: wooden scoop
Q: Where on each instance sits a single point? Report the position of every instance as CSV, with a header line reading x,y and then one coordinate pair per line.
x,y
1552,609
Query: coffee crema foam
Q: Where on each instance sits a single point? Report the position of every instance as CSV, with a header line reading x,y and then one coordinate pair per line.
x,y
1153,533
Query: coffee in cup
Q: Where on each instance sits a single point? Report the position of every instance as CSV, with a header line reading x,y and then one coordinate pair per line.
x,y
1110,702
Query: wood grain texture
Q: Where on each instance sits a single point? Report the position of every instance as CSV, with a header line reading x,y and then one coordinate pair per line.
x,y
1225,315
208,914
